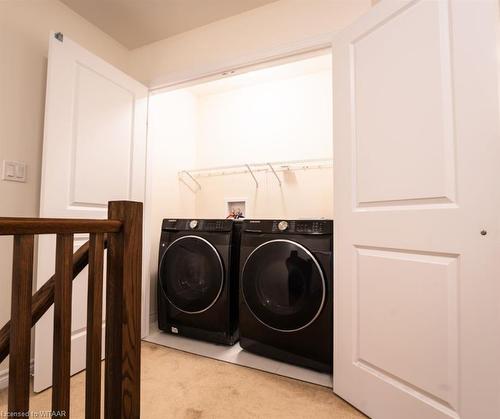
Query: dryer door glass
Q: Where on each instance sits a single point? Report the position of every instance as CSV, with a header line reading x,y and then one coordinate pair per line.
x,y
283,285
191,274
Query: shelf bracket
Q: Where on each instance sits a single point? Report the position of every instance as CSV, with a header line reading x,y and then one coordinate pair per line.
x,y
198,186
274,173
187,185
251,172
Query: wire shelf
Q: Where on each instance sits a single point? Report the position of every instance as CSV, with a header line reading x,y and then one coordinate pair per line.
x,y
190,177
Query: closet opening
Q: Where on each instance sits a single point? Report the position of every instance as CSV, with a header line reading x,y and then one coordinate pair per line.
x,y
255,143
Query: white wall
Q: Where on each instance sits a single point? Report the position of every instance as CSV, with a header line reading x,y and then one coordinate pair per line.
x,y
24,33
286,119
303,194
172,139
238,39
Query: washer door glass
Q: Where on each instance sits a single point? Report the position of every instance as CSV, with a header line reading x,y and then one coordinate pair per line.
x,y
283,285
191,274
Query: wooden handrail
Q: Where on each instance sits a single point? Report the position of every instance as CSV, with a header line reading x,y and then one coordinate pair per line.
x,y
123,229
15,226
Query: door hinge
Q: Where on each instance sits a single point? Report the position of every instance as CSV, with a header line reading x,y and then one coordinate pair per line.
x,y
59,36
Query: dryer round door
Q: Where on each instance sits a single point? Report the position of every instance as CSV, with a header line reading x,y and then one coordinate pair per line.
x,y
191,274
283,285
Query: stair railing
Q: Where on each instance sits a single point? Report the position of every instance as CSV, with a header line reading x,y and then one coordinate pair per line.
x,y
121,233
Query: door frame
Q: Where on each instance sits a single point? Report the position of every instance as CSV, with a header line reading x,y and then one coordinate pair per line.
x,y
264,59
244,63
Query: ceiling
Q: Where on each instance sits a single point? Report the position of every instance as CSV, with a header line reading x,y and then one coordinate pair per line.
x,y
135,23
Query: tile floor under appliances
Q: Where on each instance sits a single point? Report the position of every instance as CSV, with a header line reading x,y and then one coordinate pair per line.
x,y
177,384
236,355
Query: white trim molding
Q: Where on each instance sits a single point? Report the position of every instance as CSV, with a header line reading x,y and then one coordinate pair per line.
x,y
244,63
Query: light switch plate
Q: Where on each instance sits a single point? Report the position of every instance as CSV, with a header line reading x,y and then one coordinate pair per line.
x,y
14,171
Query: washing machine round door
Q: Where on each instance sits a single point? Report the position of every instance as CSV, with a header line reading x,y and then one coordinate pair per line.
x,y
191,274
283,285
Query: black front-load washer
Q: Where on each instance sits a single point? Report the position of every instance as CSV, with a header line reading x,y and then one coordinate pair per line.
x,y
198,279
286,281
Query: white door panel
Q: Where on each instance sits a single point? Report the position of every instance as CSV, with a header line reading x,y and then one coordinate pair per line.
x,y
94,151
417,152
420,133
104,122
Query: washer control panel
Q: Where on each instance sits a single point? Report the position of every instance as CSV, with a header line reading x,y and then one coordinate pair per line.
x,y
289,226
315,227
214,225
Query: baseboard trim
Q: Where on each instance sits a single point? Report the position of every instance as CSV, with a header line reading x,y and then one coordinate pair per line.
x,y
4,376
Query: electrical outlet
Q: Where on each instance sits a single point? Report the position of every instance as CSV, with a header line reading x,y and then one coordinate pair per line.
x,y
14,171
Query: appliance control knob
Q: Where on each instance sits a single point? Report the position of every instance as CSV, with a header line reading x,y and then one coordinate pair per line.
x,y
193,224
283,225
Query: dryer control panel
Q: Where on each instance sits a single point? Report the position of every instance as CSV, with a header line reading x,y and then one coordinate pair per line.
x,y
289,226
185,224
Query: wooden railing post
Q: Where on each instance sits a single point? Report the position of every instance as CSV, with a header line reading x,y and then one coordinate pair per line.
x,y
20,331
61,366
123,313
94,327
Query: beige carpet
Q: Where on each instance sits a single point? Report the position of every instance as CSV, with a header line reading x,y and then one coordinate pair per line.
x,y
176,384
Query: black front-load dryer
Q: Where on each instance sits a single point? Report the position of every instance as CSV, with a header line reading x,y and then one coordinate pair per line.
x,y
198,279
286,282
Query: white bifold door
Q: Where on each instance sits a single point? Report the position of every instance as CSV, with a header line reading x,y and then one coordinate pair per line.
x,y
417,211
94,151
